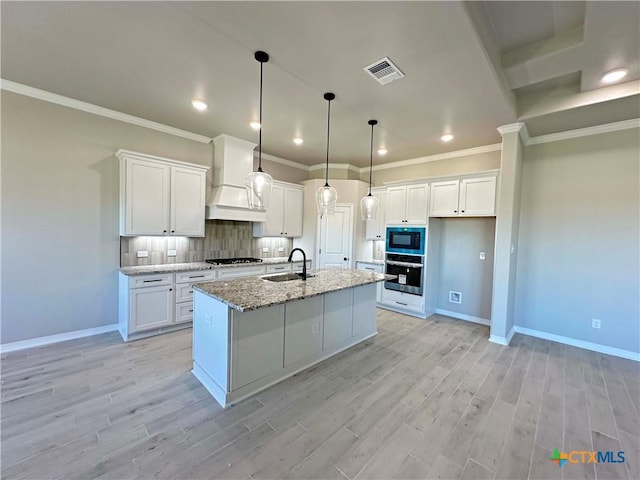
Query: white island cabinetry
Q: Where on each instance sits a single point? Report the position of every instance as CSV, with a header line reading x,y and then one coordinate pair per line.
x,y
238,353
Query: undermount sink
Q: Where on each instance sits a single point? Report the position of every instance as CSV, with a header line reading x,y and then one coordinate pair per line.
x,y
286,277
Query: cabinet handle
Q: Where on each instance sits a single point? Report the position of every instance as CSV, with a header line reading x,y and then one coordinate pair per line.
x,y
278,268
171,289
190,291
400,303
191,311
151,281
368,268
196,276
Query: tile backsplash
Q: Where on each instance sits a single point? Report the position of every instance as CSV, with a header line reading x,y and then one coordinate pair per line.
x,y
223,239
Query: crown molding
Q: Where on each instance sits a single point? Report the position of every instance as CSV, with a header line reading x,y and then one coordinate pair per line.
x,y
336,166
584,132
518,127
32,92
283,161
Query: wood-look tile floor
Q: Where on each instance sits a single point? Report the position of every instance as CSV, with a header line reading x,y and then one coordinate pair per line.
x,y
424,399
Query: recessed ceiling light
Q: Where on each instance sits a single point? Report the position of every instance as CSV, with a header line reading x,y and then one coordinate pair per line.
x,y
298,141
382,151
255,125
199,104
447,137
614,75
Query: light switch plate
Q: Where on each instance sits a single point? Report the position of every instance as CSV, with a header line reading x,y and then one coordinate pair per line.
x,y
171,253
143,254
281,249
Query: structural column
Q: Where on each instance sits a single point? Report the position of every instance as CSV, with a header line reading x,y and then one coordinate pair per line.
x,y
507,226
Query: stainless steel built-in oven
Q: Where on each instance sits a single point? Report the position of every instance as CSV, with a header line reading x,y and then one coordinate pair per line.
x,y
408,270
407,240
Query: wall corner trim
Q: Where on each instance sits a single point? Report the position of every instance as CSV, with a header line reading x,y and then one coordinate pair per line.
x,y
43,95
595,347
503,340
518,127
60,337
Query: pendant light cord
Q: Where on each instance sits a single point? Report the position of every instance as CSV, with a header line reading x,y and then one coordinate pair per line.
x,y
260,132
326,178
371,160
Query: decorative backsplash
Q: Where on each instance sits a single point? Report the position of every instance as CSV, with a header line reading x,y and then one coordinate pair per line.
x,y
223,239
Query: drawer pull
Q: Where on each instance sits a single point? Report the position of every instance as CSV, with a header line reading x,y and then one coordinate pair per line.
x,y
369,268
196,276
150,281
191,311
190,291
279,268
400,303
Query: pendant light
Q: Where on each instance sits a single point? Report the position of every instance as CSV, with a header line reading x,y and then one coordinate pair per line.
x,y
258,184
369,203
327,196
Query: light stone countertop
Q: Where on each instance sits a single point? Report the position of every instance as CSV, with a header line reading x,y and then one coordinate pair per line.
x,y
193,266
250,293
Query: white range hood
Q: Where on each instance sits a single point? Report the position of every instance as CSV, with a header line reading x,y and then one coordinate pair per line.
x,y
232,162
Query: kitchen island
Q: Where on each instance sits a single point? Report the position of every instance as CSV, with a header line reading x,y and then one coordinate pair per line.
x,y
250,333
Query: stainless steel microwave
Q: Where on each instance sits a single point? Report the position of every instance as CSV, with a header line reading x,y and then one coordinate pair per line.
x,y
408,240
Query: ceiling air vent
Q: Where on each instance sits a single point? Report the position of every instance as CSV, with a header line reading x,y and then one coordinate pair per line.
x,y
384,71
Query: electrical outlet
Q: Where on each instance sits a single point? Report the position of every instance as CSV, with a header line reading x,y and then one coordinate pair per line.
x,y
171,253
483,255
143,253
265,249
595,322
281,249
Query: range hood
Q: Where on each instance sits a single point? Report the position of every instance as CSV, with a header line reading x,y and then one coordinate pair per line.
x,y
232,162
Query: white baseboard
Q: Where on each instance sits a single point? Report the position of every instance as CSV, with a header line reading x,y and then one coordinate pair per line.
x,y
61,337
503,340
463,316
596,347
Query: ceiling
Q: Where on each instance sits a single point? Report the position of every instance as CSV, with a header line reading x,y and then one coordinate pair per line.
x,y
469,67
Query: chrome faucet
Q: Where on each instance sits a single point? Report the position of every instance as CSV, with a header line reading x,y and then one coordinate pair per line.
x,y
304,261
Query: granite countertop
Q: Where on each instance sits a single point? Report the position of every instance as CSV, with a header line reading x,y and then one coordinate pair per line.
x,y
251,293
185,267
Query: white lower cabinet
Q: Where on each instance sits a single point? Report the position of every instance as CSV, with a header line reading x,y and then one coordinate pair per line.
x,y
235,272
338,318
403,301
237,354
151,307
258,344
373,267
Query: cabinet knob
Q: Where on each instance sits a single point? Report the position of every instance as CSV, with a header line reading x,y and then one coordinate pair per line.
x,y
173,231
164,231
461,211
345,259
171,289
455,211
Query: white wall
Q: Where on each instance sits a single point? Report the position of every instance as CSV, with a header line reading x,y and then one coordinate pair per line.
x,y
579,239
60,239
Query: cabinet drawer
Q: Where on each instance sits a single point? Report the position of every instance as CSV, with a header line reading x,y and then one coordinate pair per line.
x,y
285,267
184,312
150,280
371,267
235,272
403,300
184,292
195,276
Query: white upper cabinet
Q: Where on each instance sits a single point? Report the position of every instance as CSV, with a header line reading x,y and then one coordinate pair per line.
x,y
284,215
407,205
375,228
466,197
160,196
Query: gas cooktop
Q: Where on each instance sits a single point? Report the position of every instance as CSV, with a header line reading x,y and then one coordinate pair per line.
x,y
232,261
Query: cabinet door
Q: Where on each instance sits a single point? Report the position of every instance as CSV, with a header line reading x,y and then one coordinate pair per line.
x,y
302,329
338,318
236,272
292,211
364,310
444,199
274,223
146,202
187,202
151,307
396,203
478,196
416,209
257,349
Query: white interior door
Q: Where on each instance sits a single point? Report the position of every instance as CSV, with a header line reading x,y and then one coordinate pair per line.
x,y
336,238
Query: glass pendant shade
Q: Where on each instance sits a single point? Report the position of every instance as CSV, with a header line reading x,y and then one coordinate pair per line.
x,y
258,190
258,184
369,203
326,198
369,207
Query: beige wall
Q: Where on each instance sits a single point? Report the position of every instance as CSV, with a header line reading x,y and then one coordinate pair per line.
x,y
60,239
336,174
450,166
579,254
282,172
